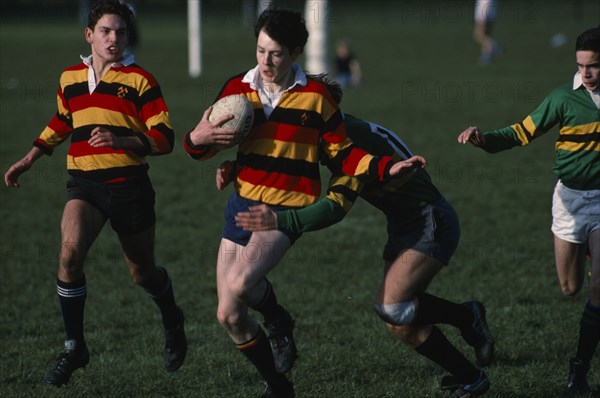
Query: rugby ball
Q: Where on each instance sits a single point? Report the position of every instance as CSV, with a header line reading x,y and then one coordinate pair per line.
x,y
240,107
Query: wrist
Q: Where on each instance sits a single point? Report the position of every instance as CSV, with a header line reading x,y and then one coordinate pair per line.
x,y
195,138
195,144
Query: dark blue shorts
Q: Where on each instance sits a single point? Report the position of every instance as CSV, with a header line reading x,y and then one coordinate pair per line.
x,y
236,204
435,233
129,205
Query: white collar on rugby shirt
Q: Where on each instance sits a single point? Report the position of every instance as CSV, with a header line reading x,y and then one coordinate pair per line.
x,y
578,82
253,78
127,60
269,101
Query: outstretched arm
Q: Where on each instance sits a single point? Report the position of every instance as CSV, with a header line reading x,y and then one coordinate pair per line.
x,y
329,210
11,178
537,123
341,195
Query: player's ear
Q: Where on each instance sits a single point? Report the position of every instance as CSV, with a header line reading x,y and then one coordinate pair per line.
x,y
88,35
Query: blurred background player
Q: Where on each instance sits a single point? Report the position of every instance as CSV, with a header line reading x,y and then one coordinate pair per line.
x,y
347,70
574,107
423,233
99,100
486,12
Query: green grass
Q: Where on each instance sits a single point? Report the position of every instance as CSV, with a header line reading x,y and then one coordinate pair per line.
x,y
420,79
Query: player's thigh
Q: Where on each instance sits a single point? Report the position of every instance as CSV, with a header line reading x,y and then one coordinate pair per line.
x,y
262,253
409,275
569,258
228,255
80,225
231,289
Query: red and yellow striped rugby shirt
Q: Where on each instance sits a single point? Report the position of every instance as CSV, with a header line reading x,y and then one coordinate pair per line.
x,y
278,162
128,102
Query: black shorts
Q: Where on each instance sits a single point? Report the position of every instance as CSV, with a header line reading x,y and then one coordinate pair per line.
x,y
435,233
129,205
232,232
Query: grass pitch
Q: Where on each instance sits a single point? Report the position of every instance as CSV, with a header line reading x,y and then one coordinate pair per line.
x,y
421,79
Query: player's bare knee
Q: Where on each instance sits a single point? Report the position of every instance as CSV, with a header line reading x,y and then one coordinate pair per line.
x,y
70,267
222,317
71,259
228,319
397,314
72,252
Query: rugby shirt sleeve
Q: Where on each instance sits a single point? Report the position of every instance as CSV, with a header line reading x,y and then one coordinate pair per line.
x,y
536,124
59,128
198,152
341,195
159,137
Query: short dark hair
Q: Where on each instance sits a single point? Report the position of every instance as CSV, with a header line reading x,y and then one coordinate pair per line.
x,y
589,40
286,27
114,7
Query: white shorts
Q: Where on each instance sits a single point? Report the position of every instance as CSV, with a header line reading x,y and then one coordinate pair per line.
x,y
486,10
575,214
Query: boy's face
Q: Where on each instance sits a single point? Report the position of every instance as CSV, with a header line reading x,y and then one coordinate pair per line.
x,y
274,60
588,63
109,38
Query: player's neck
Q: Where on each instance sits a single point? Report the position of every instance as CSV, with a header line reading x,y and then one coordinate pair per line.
x,y
277,87
100,68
